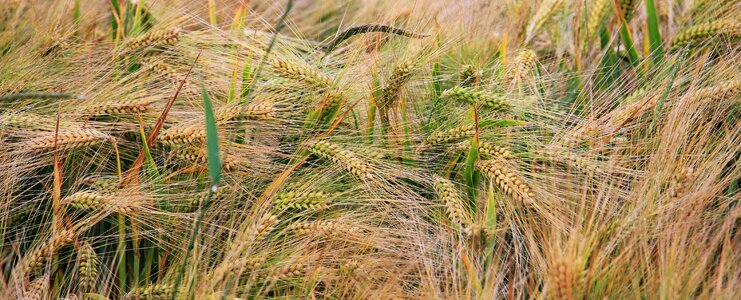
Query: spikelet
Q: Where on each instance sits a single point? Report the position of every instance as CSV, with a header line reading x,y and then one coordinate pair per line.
x,y
477,232
88,267
33,262
598,11
704,32
66,140
301,200
505,178
252,111
469,95
390,92
345,158
122,107
152,292
163,37
328,227
312,78
450,135
37,289
564,280
681,181
183,135
446,192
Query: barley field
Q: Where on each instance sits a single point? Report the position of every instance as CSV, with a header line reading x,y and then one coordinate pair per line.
x,y
370,149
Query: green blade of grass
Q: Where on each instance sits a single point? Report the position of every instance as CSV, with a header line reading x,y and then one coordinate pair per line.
x,y
212,139
654,36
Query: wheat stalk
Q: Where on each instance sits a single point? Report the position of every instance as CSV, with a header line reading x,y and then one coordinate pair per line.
x,y
470,95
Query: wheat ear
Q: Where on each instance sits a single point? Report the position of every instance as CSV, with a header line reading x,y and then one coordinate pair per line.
x,y
450,135
65,140
326,227
446,192
33,262
305,75
163,37
316,200
183,135
88,267
343,157
470,95
505,178
701,33
152,292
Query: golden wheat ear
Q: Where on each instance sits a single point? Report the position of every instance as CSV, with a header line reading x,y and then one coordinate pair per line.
x,y
65,140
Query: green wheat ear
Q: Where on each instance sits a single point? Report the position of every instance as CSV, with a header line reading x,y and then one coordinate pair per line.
x,y
486,99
